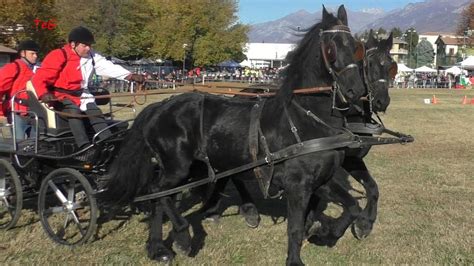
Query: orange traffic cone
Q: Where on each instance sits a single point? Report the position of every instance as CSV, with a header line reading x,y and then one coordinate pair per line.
x,y
434,100
464,100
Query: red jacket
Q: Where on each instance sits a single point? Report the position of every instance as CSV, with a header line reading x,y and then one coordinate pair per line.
x,y
72,73
9,87
53,74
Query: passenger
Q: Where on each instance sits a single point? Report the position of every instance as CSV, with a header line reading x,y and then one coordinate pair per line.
x,y
64,76
13,78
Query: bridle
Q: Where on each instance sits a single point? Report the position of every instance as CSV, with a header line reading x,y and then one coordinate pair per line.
x,y
334,73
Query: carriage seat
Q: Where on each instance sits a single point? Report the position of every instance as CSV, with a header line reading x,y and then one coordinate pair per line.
x,y
54,125
49,123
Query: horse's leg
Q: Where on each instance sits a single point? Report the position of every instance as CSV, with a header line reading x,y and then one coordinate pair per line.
x,y
155,246
298,189
211,208
320,201
317,205
248,209
180,233
364,223
332,229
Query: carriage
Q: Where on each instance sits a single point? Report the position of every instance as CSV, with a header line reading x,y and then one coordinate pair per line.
x,y
48,167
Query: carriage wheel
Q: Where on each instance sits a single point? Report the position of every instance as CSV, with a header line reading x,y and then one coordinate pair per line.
x,y
11,195
67,208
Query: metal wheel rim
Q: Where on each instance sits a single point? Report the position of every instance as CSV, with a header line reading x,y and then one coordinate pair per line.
x,y
67,208
11,197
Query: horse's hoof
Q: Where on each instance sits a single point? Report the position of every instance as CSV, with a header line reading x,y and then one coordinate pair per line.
x,y
182,242
361,229
213,218
185,251
162,255
165,259
313,230
250,214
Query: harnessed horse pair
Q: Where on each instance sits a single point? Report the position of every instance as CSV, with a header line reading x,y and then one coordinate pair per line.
x,y
377,69
305,149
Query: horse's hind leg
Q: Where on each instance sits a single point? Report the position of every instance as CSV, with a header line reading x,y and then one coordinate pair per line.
x,y
155,246
334,228
363,225
211,207
248,210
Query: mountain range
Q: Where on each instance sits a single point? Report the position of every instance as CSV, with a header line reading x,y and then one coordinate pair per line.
x,y
427,16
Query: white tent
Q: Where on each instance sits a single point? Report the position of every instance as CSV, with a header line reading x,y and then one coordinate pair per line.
x,y
468,63
425,69
404,68
246,63
455,70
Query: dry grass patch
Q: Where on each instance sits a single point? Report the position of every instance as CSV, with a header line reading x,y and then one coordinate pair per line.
x,y
425,209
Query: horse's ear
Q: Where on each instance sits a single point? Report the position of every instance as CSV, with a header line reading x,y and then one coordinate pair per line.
x,y
326,14
342,15
370,39
390,41
386,44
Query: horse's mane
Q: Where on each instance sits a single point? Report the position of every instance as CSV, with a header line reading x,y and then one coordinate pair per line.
x,y
305,64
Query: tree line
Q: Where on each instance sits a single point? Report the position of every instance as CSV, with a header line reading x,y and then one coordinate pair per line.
x,y
204,32
200,32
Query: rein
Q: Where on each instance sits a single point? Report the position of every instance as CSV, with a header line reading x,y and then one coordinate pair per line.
x,y
312,90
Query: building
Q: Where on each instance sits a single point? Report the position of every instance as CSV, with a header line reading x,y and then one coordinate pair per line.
x,y
6,55
399,51
448,50
262,55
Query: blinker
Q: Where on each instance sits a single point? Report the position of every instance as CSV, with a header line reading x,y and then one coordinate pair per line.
x,y
359,52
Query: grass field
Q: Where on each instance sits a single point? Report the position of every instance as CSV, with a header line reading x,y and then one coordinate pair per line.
x,y
425,209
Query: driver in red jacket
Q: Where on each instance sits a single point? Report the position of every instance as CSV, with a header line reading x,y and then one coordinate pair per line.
x,y
64,76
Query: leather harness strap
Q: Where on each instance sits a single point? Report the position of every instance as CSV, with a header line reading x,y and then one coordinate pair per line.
x,y
257,140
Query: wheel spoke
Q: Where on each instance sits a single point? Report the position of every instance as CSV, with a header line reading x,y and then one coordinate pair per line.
x,y
66,221
78,223
70,191
6,203
3,183
8,207
57,192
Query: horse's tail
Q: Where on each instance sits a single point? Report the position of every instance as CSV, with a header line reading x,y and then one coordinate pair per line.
x,y
132,171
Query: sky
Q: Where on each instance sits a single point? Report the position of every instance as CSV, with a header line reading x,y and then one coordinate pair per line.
x,y
257,11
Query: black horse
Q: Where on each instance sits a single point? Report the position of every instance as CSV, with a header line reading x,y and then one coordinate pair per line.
x,y
170,136
377,68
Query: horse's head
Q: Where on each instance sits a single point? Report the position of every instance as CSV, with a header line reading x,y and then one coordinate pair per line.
x,y
340,54
379,69
327,55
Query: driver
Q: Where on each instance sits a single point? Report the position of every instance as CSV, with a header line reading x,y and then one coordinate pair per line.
x,y
64,76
